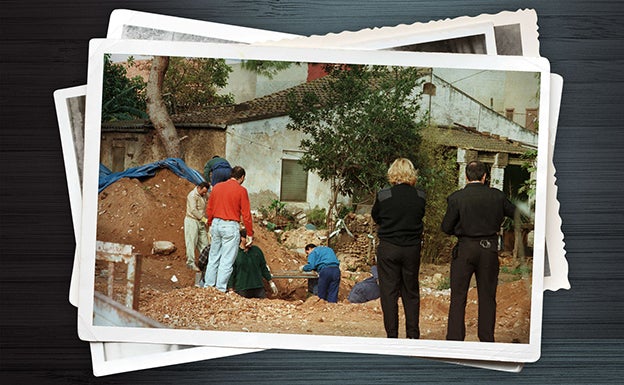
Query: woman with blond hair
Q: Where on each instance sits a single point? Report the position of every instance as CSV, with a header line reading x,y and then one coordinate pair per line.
x,y
398,212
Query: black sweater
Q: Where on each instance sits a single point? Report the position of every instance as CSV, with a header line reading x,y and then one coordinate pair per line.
x,y
476,211
398,212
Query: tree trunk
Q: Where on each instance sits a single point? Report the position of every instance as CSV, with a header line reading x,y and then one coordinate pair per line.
x,y
157,110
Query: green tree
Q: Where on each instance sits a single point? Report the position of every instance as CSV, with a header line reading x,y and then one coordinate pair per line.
x,y
529,164
175,85
266,67
438,177
122,98
359,121
193,83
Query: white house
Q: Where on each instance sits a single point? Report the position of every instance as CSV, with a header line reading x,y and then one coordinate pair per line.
x,y
253,133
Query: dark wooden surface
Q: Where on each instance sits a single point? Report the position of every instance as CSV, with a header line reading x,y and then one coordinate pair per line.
x,y
44,48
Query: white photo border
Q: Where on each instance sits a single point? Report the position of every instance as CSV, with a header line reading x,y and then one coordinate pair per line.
x,y
179,28
433,31
425,348
524,19
121,18
119,357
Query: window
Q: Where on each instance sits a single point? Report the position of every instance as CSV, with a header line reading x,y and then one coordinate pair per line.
x,y
531,119
119,157
429,89
294,182
509,113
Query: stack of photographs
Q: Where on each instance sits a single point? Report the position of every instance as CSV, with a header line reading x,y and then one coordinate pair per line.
x,y
483,92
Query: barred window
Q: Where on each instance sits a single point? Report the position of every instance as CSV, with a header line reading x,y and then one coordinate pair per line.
x,y
294,182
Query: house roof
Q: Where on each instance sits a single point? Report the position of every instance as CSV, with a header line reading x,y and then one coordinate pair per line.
x,y
471,139
265,107
276,104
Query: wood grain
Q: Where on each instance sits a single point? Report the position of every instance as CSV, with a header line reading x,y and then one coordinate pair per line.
x,y
44,48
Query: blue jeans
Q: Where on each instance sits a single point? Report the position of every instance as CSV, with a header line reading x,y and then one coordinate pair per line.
x,y
328,283
223,250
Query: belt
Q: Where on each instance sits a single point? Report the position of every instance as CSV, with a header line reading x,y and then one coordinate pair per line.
x,y
485,242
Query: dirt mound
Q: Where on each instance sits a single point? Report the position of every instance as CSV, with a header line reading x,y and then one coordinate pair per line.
x,y
139,212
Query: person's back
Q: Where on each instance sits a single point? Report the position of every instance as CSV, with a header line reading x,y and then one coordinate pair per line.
x,y
248,270
324,261
474,214
227,203
217,170
366,290
480,209
399,211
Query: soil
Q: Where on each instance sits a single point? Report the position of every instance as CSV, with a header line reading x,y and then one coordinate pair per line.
x,y
140,212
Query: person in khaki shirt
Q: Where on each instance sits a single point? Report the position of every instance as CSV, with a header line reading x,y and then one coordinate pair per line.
x,y
195,234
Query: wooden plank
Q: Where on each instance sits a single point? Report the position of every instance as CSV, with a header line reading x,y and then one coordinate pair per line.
x,y
294,274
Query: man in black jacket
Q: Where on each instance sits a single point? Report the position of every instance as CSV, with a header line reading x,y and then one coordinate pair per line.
x,y
474,214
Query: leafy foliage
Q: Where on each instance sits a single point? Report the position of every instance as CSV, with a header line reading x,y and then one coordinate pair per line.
x,y
438,177
122,98
265,67
521,270
317,217
529,185
444,284
362,119
193,83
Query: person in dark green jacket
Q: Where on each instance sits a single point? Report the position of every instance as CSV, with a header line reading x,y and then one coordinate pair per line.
x,y
248,270
217,170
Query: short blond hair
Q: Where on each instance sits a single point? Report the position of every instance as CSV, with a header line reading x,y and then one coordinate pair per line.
x,y
402,171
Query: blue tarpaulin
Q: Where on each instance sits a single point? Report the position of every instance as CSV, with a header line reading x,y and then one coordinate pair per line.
x,y
177,165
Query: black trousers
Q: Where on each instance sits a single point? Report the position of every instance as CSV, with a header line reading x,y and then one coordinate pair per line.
x,y
398,268
252,293
473,257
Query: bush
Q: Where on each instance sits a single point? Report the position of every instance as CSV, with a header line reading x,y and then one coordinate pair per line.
x,y
444,284
438,177
522,270
317,217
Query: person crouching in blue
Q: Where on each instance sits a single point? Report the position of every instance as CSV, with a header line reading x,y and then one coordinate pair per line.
x,y
323,260
366,290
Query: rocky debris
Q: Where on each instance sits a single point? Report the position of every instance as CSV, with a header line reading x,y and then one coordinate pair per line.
x,y
163,247
296,239
140,212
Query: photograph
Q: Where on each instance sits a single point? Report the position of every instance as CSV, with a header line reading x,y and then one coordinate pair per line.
x,y
296,192
141,25
308,153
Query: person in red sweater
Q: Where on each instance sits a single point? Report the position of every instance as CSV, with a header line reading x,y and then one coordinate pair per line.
x,y
228,202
